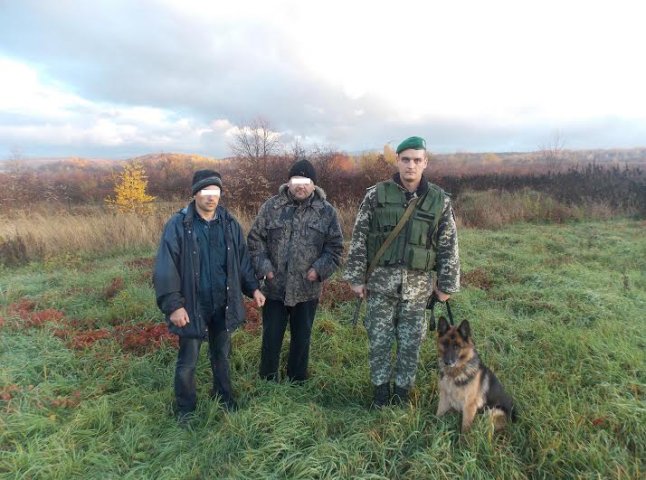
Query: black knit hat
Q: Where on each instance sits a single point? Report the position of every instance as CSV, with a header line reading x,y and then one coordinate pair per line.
x,y
204,178
303,168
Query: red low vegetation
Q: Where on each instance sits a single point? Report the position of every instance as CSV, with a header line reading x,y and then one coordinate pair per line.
x,y
336,293
37,319
66,401
80,340
136,338
252,314
145,265
143,338
114,288
7,392
24,310
477,278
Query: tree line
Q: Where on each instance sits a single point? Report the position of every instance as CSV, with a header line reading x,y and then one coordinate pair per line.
x,y
260,161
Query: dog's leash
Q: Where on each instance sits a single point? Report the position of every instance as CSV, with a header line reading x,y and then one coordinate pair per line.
x,y
430,305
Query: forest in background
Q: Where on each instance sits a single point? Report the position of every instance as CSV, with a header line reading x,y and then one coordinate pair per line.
x,y
615,177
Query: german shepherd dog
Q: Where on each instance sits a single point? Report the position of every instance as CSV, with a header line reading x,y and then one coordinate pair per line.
x,y
466,385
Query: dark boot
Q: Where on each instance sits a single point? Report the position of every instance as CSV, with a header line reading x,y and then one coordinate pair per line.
x,y
400,396
381,396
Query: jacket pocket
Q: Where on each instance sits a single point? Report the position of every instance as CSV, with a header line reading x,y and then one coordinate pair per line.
x,y
276,241
315,234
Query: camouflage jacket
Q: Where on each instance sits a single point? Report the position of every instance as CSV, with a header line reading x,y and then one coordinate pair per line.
x,y
398,281
288,237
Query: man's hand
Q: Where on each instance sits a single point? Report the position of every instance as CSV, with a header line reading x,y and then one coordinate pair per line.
x,y
259,298
359,290
270,276
312,276
179,317
441,296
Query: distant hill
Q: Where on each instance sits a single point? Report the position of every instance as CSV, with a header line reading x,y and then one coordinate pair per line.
x,y
55,164
156,157
631,156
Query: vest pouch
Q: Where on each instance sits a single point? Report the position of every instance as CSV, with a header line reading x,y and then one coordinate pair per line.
x,y
418,233
420,258
387,221
373,243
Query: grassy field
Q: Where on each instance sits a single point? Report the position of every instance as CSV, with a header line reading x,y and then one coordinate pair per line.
x,y
557,312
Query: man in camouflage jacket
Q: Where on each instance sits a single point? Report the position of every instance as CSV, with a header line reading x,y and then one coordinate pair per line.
x,y
295,244
401,282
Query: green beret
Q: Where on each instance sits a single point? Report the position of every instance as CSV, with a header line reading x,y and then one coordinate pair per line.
x,y
416,143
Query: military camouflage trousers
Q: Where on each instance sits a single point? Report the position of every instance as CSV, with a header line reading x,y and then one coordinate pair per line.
x,y
391,320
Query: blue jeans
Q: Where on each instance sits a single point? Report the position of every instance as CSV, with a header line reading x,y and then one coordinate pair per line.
x,y
219,350
275,316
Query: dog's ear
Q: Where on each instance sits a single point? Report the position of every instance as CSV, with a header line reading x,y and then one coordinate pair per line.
x,y
464,330
442,326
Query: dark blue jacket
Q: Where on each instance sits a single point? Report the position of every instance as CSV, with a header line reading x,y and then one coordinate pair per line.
x,y
177,271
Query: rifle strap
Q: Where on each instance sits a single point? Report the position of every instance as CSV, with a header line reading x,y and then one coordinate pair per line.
x,y
398,228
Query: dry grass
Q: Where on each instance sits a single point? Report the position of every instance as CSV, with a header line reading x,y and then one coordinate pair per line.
x,y
493,209
41,233
36,234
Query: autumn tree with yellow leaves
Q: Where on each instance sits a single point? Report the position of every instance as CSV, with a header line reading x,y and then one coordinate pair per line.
x,y
130,191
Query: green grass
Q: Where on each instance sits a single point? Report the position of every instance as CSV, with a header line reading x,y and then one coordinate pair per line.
x,y
557,312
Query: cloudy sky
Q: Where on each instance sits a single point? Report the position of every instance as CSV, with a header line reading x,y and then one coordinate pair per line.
x,y
120,78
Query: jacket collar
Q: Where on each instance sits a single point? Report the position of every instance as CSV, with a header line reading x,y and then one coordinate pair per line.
x,y
190,212
422,188
316,200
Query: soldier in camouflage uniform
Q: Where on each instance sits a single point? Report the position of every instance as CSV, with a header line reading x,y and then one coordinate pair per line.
x,y
295,244
399,286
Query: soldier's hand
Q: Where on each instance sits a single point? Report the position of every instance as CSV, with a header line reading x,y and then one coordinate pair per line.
x,y
179,317
359,290
259,298
312,276
441,296
270,276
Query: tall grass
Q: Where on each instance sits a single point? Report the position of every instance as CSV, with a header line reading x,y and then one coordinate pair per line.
x,y
495,208
37,234
40,234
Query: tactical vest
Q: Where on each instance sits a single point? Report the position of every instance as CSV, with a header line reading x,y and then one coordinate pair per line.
x,y
415,246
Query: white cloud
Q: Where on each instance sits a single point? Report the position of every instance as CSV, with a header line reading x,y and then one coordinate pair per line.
x,y
50,115
350,73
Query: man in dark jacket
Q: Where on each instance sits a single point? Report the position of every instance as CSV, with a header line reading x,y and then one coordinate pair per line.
x,y
295,244
201,271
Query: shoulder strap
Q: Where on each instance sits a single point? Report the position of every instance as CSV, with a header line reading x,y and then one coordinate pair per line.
x,y
398,228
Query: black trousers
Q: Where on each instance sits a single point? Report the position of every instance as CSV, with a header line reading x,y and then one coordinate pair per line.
x,y
219,351
275,316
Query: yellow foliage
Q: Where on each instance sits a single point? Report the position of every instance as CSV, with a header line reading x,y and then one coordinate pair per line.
x,y
130,191
389,155
491,159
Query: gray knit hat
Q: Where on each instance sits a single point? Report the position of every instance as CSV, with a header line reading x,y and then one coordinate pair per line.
x,y
204,178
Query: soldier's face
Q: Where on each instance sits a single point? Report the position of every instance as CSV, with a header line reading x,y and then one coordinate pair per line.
x,y
301,187
207,199
411,164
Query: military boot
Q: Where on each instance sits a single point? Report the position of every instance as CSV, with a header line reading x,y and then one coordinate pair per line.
x,y
381,396
400,395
